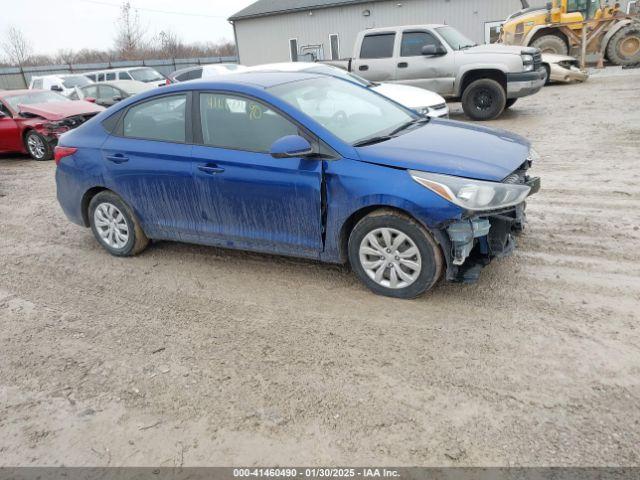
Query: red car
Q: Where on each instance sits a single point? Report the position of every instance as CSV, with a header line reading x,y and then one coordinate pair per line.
x,y
32,120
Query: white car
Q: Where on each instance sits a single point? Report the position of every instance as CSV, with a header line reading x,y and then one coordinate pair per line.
x,y
204,71
422,101
64,84
562,68
138,74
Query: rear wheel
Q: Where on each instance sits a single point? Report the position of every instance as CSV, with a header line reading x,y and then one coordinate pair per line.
x,y
393,255
115,226
624,46
484,99
551,44
38,147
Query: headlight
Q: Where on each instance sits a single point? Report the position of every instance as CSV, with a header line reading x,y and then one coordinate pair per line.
x,y
423,110
533,155
472,194
527,63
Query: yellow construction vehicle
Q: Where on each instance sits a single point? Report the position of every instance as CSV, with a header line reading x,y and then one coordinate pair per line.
x,y
558,28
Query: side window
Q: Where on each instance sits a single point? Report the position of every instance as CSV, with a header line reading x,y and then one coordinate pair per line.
x,y
5,110
91,76
159,119
90,91
377,45
37,84
412,43
241,124
107,92
101,77
190,75
124,76
111,76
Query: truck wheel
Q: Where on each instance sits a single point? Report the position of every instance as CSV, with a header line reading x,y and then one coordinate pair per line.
x,y
483,99
393,255
38,146
510,102
624,47
551,44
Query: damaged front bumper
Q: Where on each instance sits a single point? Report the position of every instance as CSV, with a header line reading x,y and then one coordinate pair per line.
x,y
471,243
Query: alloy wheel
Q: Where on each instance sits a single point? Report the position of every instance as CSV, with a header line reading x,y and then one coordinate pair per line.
x,y
111,225
390,258
36,146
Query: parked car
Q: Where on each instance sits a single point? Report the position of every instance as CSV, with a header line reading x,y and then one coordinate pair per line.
x,y
418,99
64,84
204,72
302,165
109,93
486,78
31,121
562,68
138,74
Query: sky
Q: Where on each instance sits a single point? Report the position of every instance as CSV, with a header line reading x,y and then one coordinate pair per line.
x,y
76,24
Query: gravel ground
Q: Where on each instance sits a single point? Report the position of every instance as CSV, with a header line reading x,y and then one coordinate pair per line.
x,y
190,355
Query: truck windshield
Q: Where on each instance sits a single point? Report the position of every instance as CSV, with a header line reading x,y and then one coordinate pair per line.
x,y
350,112
454,38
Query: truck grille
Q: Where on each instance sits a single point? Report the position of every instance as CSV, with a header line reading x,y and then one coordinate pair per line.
x,y
537,60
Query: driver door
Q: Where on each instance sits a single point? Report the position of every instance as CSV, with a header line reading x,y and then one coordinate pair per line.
x,y
10,140
249,199
431,72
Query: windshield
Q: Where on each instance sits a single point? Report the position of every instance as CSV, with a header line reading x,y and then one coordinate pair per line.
x,y
340,73
454,38
75,81
33,98
348,111
146,75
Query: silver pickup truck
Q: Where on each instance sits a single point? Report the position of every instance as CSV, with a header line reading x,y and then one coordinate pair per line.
x,y
485,78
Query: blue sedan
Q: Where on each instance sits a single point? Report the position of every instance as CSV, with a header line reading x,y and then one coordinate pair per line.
x,y
302,165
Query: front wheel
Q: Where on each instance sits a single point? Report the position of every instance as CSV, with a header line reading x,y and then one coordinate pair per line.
x,y
115,226
624,47
38,147
394,256
484,99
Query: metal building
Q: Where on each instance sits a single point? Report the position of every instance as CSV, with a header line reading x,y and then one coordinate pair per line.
x,y
282,30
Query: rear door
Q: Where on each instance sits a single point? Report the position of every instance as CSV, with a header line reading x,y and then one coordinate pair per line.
x,y
432,72
147,161
375,60
10,140
248,198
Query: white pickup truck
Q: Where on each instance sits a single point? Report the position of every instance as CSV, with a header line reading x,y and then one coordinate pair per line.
x,y
486,79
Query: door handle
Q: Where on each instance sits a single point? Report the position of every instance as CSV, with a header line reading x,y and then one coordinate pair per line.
x,y
211,169
363,67
403,65
117,158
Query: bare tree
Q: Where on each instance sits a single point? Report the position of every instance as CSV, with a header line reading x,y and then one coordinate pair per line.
x,y
169,45
130,36
16,47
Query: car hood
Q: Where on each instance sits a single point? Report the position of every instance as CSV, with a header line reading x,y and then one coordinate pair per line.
x,y
452,148
60,110
498,48
554,58
412,97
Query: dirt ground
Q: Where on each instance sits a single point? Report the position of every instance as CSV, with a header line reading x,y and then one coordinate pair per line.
x,y
190,355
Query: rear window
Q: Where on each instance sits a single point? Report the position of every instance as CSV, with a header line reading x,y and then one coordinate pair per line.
x,y
377,46
190,75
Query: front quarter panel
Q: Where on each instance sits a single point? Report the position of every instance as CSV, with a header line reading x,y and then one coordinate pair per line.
x,y
354,186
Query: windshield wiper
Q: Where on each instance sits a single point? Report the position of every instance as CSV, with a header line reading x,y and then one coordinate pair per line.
x,y
464,47
371,140
406,125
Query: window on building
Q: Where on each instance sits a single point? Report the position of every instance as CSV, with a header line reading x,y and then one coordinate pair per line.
x,y
377,45
241,124
335,46
633,8
159,119
492,31
293,50
412,43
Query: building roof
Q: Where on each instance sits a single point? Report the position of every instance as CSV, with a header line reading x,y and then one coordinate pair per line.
x,y
262,8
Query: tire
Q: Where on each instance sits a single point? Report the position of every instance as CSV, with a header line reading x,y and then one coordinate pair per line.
x,y
547,72
103,217
38,147
510,102
390,224
484,99
624,46
551,44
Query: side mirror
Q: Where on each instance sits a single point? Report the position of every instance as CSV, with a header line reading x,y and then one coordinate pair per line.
x,y
2,114
291,146
433,50
90,99
56,88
